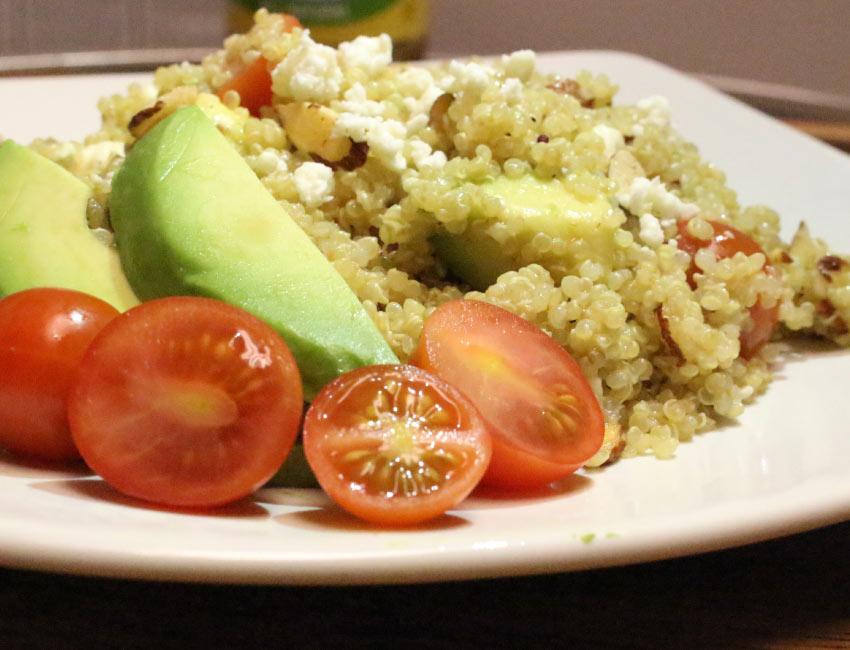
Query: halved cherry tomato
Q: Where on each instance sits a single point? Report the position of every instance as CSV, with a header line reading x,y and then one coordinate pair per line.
x,y
540,409
395,445
186,401
726,242
43,336
254,83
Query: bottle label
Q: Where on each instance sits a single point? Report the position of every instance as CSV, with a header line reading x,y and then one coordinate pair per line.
x,y
328,12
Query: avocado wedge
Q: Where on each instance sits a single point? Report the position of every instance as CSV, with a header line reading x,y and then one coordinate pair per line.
x,y
191,218
531,206
44,239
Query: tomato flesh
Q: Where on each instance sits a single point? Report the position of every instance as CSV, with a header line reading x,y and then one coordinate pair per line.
x,y
726,242
254,85
254,82
395,445
43,335
540,409
186,402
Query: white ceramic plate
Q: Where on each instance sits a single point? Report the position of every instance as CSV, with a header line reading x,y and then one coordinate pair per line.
x,y
783,468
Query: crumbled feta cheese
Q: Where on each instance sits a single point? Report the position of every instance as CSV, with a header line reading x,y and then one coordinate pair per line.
x,y
511,90
650,196
650,231
315,183
519,64
309,72
657,109
416,123
424,157
384,137
370,53
470,76
611,137
355,101
414,81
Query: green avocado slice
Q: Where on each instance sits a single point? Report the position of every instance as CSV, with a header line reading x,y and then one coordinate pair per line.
x,y
531,206
44,239
192,218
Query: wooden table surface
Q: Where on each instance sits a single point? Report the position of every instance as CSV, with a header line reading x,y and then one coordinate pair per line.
x,y
788,593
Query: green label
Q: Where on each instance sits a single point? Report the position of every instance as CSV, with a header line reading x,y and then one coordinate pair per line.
x,y
324,12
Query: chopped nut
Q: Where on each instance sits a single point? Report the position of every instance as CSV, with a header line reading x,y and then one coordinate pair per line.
x,y
829,264
355,158
624,168
138,120
310,128
667,337
839,327
825,308
571,87
147,118
438,120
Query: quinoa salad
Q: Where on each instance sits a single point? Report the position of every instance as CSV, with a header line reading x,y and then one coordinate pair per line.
x,y
403,173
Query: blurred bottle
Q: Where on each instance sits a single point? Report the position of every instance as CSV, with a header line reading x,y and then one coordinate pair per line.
x,y
335,21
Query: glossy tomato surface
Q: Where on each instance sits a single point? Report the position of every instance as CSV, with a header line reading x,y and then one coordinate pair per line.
x,y
539,407
726,242
43,336
186,402
395,445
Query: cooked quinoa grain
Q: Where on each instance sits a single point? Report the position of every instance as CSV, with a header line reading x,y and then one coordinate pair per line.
x,y
656,331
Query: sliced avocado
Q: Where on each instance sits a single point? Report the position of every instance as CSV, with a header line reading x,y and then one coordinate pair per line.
x,y
44,239
531,206
191,218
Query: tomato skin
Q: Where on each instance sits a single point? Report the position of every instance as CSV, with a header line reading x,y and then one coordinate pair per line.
x,y
187,402
726,242
539,408
379,446
514,469
764,322
44,333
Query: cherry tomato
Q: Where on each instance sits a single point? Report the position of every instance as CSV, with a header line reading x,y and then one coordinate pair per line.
x,y
186,401
395,445
254,83
726,242
543,416
43,336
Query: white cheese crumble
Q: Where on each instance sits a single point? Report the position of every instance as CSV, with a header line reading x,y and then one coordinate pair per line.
x,y
384,137
519,64
369,53
469,76
421,154
657,109
355,101
309,72
650,231
611,137
650,196
315,183
511,90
